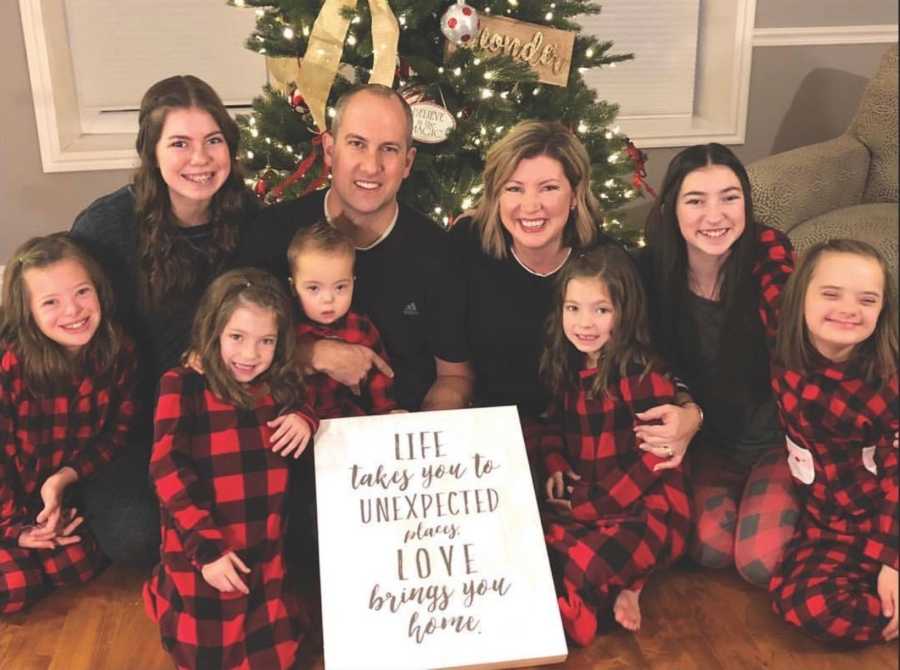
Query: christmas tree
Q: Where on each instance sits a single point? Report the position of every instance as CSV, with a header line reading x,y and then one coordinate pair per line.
x,y
479,90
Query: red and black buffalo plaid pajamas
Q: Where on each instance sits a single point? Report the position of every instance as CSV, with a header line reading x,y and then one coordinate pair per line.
x,y
332,399
841,431
221,488
745,507
83,430
626,520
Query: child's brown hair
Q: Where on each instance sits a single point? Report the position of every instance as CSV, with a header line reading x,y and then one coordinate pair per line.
x,y
228,292
320,236
793,348
630,338
47,366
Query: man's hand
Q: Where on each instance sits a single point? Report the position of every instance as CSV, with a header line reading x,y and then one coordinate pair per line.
x,y
347,364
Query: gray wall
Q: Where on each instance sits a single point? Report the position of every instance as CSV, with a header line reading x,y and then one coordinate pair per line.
x,y
798,95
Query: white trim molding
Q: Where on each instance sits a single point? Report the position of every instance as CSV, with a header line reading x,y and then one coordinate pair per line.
x,y
64,146
825,35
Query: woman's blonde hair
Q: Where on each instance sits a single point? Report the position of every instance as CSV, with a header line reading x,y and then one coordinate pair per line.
x,y
877,355
231,290
47,367
530,139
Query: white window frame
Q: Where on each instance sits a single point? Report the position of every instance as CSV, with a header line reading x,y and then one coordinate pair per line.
x,y
722,83
725,50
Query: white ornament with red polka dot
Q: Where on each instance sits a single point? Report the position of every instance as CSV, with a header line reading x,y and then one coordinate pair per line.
x,y
460,24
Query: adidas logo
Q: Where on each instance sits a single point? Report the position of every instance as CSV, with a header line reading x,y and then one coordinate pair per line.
x,y
411,310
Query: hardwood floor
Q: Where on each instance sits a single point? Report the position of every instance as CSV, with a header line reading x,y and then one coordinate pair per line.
x,y
692,620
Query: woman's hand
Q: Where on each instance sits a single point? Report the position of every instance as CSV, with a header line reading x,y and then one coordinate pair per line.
x,y
558,491
222,574
348,364
291,434
52,495
888,592
669,439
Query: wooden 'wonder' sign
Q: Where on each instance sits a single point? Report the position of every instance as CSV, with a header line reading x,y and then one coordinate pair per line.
x,y
547,50
430,544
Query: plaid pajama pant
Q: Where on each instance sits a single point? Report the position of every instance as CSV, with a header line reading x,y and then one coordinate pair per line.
x,y
745,511
829,590
598,560
28,574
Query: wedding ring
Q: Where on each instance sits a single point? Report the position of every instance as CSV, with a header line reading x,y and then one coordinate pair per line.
x,y
669,452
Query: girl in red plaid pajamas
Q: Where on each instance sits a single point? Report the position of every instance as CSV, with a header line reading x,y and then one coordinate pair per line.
x,y
321,261
835,378
219,593
66,404
613,514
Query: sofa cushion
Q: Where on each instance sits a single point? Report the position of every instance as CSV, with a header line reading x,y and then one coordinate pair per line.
x,y
875,125
875,224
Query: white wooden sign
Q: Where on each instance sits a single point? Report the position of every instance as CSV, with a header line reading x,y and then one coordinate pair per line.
x,y
430,544
431,122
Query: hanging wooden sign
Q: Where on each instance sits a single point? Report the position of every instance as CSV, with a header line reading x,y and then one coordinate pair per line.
x,y
430,544
547,50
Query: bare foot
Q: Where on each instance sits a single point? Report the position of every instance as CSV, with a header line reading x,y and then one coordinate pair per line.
x,y
627,610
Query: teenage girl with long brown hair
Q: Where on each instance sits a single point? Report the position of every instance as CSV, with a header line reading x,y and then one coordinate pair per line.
x,y
161,240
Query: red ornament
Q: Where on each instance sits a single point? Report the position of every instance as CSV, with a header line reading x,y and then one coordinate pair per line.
x,y
297,99
638,160
261,187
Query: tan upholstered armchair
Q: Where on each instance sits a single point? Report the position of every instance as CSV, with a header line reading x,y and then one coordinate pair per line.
x,y
846,187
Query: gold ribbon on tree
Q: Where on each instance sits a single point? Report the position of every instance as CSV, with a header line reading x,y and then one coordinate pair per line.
x,y
315,73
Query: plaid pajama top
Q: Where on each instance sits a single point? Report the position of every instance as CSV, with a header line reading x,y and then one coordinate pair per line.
x,y
332,399
596,439
82,429
840,431
221,488
773,268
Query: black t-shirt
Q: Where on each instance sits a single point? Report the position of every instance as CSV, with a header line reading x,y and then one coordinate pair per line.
x,y
405,284
760,427
749,427
506,310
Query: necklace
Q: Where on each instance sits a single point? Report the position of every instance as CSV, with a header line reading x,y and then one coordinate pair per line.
x,y
541,274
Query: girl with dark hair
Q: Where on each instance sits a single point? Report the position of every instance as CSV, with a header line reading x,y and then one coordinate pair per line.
x,y
835,378
613,514
219,593
56,335
714,276
162,239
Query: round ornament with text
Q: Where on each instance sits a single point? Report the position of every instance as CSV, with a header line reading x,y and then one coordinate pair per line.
x,y
460,23
431,122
